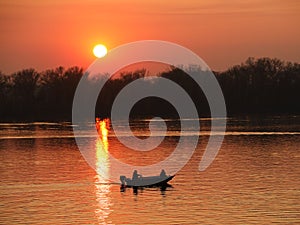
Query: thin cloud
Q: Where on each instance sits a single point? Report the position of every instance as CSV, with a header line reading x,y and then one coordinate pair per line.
x,y
228,7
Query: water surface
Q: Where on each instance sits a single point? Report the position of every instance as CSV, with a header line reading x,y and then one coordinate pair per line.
x,y
254,179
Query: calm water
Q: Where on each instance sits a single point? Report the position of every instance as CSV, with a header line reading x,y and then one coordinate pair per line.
x,y
253,180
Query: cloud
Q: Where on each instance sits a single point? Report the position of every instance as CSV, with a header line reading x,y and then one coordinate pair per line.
x,y
224,7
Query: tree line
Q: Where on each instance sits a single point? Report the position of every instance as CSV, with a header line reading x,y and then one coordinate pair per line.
x,y
262,85
28,95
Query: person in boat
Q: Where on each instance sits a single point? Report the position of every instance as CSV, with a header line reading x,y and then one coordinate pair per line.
x,y
135,175
163,174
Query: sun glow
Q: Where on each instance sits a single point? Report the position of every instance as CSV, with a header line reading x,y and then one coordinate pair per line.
x,y
100,51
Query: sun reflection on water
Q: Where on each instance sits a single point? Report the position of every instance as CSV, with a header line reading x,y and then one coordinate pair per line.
x,y
103,188
102,158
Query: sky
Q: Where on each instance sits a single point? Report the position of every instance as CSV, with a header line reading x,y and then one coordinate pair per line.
x,y
50,33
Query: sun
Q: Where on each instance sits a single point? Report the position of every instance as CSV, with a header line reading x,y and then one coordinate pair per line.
x,y
100,51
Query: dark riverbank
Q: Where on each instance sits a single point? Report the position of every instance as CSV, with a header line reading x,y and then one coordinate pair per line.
x,y
257,87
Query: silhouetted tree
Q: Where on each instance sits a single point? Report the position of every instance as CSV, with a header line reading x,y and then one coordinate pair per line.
x,y
24,87
56,90
111,89
5,88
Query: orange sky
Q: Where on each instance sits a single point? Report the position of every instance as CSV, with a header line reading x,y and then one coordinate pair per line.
x,y
45,34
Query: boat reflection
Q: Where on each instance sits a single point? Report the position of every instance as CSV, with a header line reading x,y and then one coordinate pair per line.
x,y
102,187
136,190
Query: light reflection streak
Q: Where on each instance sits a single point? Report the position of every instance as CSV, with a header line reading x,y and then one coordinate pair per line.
x,y
102,210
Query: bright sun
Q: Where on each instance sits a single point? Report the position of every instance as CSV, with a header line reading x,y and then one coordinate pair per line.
x,y
100,51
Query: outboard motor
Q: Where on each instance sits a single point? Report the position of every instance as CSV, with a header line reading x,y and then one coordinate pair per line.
x,y
123,180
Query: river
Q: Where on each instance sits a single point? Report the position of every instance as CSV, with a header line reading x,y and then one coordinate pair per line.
x,y
253,180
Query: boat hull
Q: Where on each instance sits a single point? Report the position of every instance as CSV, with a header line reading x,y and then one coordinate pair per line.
x,y
155,181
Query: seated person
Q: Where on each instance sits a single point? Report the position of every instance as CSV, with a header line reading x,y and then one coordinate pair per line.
x,y
163,173
135,175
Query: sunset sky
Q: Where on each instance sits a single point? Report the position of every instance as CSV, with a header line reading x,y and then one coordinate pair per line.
x,y
49,33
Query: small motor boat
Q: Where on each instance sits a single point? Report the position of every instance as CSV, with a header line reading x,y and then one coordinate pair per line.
x,y
151,181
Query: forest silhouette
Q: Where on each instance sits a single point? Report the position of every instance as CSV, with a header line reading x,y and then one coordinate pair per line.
x,y
257,86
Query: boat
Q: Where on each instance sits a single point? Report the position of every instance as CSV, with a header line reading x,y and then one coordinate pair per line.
x,y
151,181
